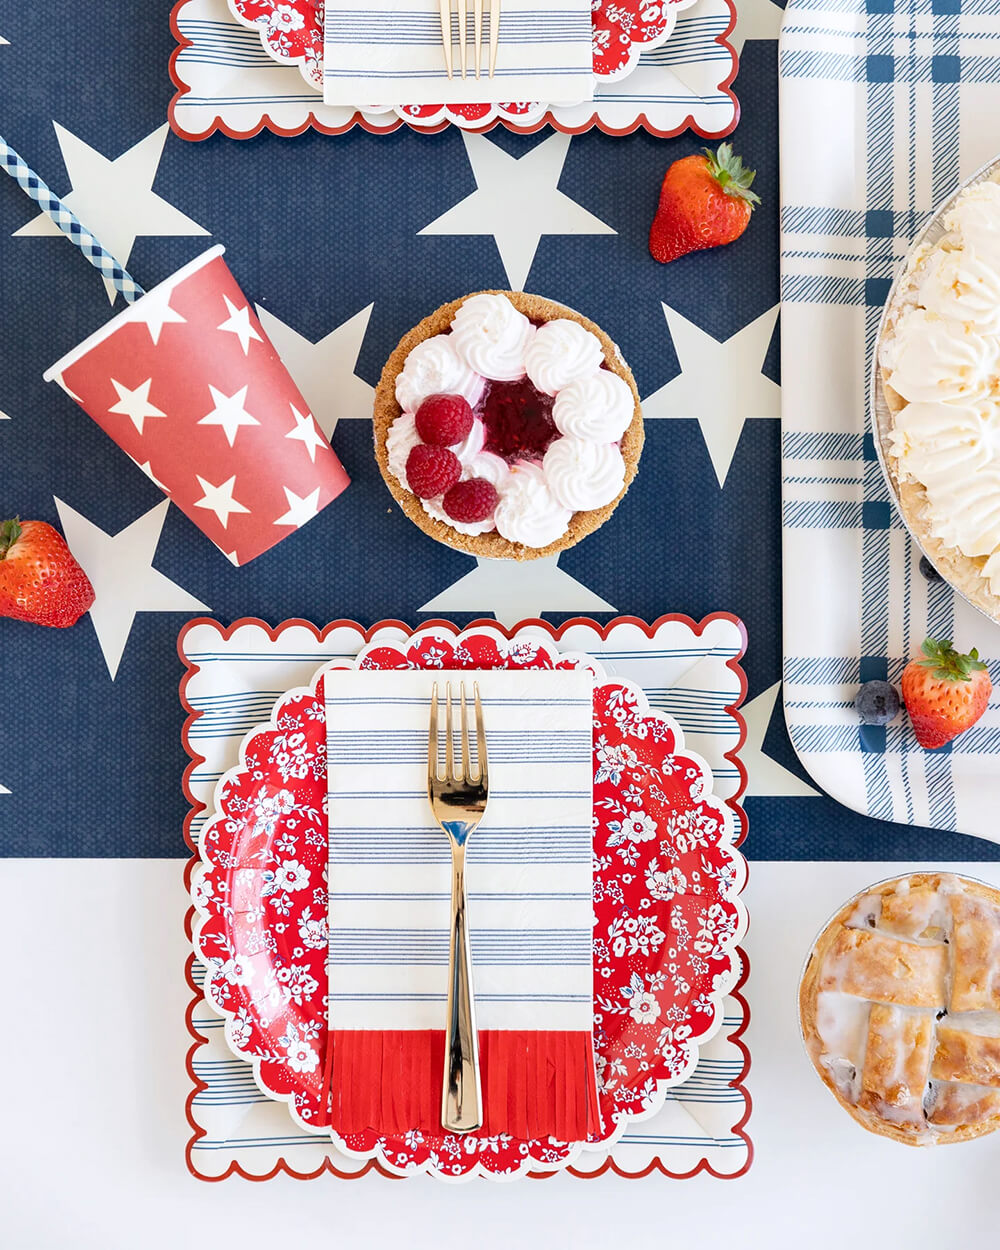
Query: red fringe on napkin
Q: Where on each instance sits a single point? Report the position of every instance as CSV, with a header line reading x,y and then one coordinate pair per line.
x,y
535,1084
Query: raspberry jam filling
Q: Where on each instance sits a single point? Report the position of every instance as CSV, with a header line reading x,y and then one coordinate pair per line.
x,y
517,420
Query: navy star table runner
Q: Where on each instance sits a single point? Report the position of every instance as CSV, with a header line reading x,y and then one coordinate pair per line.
x,y
341,245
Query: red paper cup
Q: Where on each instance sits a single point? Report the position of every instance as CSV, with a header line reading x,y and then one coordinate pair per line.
x,y
188,384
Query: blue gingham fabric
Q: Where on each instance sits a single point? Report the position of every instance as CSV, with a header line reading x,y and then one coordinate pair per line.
x,y
886,105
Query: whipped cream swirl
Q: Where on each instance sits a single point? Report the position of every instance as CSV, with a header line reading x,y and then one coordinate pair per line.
x,y
434,367
598,407
975,221
561,352
528,512
472,444
400,440
584,475
954,452
935,359
962,286
492,337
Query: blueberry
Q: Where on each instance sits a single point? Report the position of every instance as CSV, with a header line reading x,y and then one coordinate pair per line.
x,y
929,571
877,703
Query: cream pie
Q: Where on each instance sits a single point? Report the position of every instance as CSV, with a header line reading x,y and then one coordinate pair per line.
x,y
507,426
900,1008
940,366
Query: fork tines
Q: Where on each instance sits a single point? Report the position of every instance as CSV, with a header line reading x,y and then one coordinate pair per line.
x,y
467,773
477,19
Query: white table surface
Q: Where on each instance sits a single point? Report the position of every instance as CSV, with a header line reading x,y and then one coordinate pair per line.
x,y
92,1149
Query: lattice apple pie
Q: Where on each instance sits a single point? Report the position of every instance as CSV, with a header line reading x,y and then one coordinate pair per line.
x,y
900,1008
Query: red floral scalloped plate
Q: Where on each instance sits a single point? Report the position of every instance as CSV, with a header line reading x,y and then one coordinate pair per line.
x,y
667,913
291,32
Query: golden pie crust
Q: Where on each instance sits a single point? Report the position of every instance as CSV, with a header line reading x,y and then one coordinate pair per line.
x,y
899,1004
492,545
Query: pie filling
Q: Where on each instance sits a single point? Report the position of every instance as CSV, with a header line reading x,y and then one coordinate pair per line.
x,y
517,419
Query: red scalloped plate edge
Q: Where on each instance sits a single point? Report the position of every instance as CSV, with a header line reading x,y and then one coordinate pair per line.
x,y
556,632
642,122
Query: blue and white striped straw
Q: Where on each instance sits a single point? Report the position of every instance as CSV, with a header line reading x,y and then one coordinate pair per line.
x,y
69,223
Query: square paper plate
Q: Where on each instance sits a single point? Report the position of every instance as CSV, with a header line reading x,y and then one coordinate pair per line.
x,y
227,83
234,675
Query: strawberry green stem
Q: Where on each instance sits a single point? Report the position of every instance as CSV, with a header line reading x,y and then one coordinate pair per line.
x,y
10,532
947,663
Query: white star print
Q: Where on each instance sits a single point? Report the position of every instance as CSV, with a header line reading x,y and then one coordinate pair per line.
x,y
300,509
229,412
325,371
115,198
4,416
306,432
135,404
121,570
756,19
517,201
3,789
766,777
154,312
219,499
737,392
513,590
238,323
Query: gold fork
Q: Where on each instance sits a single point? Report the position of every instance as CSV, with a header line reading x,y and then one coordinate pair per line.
x,y
458,801
477,18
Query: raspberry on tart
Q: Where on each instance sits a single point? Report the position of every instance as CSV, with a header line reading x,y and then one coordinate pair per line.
x,y
537,410
444,419
432,470
471,501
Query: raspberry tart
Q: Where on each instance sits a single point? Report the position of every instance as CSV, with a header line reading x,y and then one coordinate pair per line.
x,y
900,1008
507,426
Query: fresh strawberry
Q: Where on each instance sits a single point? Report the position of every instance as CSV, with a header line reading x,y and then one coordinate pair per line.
x,y
39,579
704,201
944,692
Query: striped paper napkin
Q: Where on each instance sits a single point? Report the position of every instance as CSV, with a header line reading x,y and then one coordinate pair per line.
x,y
389,52
529,873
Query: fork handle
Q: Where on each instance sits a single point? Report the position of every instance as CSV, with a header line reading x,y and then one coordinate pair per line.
x,y
461,1102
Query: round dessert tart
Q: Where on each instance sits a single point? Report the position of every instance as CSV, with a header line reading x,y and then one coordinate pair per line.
x,y
936,391
507,426
899,1004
